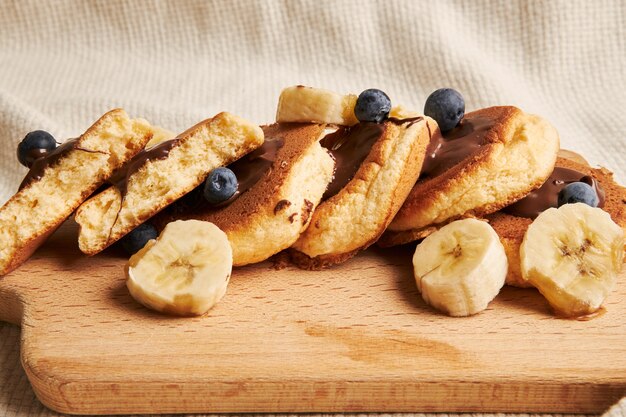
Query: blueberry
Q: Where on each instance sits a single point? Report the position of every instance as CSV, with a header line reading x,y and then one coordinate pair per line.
x,y
33,146
137,239
446,106
220,185
578,192
372,106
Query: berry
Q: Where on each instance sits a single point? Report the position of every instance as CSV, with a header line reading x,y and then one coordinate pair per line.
x,y
372,106
578,192
220,185
446,106
137,239
35,145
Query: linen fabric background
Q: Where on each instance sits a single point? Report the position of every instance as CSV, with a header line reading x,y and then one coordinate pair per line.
x,y
65,63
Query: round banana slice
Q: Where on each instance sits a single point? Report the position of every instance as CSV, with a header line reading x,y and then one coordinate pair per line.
x,y
461,267
184,272
308,104
573,255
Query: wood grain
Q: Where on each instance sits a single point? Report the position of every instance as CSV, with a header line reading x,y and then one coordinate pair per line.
x,y
354,338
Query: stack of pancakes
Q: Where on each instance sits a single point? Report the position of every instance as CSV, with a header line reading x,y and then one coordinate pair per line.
x,y
320,190
399,181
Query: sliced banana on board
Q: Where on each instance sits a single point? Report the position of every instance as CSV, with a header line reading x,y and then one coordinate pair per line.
x,y
184,272
573,255
307,104
461,267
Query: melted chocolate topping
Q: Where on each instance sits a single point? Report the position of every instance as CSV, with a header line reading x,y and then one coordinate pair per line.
x,y
45,160
249,170
349,146
251,167
410,121
547,195
160,151
445,151
42,159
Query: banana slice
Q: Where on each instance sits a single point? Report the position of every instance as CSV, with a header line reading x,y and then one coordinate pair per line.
x,y
401,112
160,134
572,156
306,104
461,267
573,255
184,272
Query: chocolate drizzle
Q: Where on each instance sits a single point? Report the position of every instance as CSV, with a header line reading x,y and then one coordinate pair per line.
x,y
447,150
349,146
408,122
119,179
160,151
42,159
282,204
547,195
251,167
249,170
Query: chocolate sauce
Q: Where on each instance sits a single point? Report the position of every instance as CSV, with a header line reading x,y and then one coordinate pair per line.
x,y
408,122
547,195
349,146
42,159
447,150
249,170
45,160
251,167
160,151
282,204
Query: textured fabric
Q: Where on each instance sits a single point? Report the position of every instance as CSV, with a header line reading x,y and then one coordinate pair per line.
x,y
618,410
63,64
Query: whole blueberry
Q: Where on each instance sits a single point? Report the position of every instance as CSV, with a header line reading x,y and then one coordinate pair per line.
x,y
34,145
372,106
578,192
446,106
137,239
220,185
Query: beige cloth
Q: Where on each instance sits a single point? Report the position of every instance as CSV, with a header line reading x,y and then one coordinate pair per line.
x,y
174,63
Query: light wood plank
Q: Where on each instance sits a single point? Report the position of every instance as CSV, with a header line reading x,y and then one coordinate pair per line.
x,y
357,337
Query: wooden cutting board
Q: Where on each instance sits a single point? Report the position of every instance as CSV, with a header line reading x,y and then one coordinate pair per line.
x,y
356,338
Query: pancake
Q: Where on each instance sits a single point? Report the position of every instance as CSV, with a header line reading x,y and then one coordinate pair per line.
x,y
60,181
280,185
377,165
512,222
494,157
160,175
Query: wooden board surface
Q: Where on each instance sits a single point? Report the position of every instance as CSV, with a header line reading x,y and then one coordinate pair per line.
x,y
354,338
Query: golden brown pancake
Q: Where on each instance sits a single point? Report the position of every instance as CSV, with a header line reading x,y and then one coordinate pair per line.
x,y
160,175
60,181
280,185
365,196
494,157
511,226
